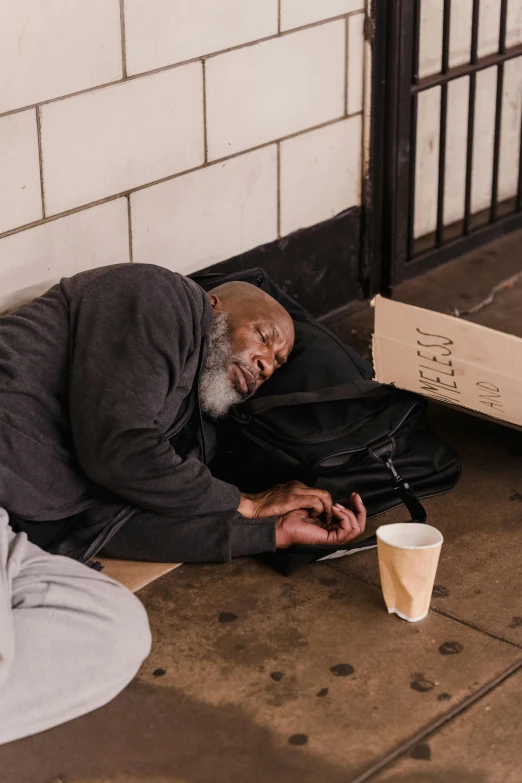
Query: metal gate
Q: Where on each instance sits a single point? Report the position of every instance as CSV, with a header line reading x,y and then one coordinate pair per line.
x,y
395,252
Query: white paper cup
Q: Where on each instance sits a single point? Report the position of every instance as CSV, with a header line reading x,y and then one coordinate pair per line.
x,y
408,557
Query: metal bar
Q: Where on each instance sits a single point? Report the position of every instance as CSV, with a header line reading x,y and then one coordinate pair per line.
x,y
498,112
374,225
439,236
413,130
416,43
503,27
400,102
469,68
446,23
390,143
412,177
469,153
519,189
463,244
471,116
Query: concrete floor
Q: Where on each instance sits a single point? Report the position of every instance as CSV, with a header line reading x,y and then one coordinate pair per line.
x,y
254,677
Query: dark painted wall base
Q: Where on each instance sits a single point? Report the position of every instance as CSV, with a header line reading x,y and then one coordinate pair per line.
x,y
317,266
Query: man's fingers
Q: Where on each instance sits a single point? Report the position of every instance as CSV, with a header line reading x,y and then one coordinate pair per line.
x,y
359,510
348,525
322,495
311,502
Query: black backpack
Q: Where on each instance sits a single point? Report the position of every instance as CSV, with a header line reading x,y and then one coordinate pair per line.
x,y
322,420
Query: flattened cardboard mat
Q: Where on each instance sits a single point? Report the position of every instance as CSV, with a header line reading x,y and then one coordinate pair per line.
x,y
134,574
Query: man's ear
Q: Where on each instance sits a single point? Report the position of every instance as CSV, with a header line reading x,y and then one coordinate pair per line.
x,y
215,301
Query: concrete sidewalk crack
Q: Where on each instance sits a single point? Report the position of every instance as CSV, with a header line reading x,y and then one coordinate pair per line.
x,y
431,728
490,298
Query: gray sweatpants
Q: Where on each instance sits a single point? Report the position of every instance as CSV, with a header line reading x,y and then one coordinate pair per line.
x,y
70,638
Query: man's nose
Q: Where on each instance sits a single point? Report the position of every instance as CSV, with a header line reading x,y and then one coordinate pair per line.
x,y
265,364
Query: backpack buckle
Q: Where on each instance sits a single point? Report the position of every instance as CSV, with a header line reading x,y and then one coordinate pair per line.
x,y
383,450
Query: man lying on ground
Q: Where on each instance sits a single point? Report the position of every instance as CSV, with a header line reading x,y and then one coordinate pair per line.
x,y
108,384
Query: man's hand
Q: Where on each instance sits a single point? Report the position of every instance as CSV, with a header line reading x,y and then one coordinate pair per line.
x,y
298,527
285,498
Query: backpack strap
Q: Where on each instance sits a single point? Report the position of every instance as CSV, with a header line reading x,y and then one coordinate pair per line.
x,y
383,452
344,391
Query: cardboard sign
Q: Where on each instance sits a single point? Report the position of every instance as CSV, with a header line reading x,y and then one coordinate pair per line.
x,y
448,359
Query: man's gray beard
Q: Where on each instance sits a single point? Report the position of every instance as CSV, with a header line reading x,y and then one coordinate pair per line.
x,y
216,392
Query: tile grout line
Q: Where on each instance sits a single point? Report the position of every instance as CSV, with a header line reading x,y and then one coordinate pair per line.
x,y
346,64
172,66
137,188
40,157
279,16
123,40
205,136
129,221
441,612
278,190
431,728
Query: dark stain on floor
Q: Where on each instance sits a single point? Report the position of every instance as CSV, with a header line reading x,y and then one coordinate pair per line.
x,y
451,648
421,684
298,739
227,617
342,670
421,751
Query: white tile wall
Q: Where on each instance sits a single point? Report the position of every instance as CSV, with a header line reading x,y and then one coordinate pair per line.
x,y
456,149
320,174
514,22
110,140
426,162
510,129
483,141
295,13
209,215
162,32
56,47
355,77
489,18
460,32
430,38
269,90
33,260
20,197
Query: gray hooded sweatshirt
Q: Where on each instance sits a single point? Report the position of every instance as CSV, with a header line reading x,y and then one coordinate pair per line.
x,y
98,385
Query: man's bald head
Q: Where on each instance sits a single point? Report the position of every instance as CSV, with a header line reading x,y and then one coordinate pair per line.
x,y
252,337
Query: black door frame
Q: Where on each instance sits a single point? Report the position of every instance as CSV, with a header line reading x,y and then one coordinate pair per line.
x,y
389,253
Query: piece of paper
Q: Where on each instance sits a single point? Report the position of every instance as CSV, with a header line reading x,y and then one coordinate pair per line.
x,y
448,359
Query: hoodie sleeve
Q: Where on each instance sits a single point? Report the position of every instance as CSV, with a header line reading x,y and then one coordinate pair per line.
x,y
133,330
